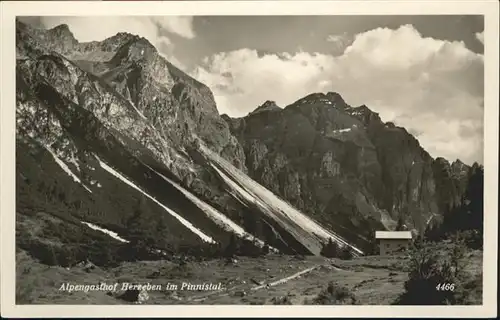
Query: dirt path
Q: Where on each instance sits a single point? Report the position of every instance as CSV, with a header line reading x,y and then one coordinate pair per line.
x,y
286,279
267,285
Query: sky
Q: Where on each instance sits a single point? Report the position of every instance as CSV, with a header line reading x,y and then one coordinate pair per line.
x,y
425,73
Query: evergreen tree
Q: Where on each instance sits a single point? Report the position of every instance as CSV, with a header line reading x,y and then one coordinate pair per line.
x,y
160,238
249,248
232,246
107,257
138,223
474,195
401,224
265,249
345,253
249,223
161,225
373,247
330,250
467,216
68,258
52,257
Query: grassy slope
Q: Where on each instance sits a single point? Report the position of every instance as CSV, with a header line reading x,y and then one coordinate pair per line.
x,y
374,280
110,205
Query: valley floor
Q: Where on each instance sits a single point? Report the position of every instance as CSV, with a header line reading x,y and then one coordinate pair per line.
x,y
373,280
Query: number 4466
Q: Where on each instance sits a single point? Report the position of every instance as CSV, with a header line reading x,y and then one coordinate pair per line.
x,y
445,287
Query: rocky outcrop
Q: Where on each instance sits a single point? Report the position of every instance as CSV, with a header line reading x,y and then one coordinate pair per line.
x,y
267,106
138,93
344,166
137,111
135,296
451,182
177,105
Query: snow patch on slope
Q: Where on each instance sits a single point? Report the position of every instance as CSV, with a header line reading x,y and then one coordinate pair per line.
x,y
112,234
386,220
275,207
66,168
430,219
137,110
74,162
342,130
186,223
95,183
214,214
242,192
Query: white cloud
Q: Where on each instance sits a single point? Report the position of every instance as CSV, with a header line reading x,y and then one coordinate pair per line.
x,y
180,25
335,38
244,80
480,36
429,86
339,41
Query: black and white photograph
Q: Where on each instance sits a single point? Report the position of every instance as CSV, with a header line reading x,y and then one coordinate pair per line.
x,y
251,159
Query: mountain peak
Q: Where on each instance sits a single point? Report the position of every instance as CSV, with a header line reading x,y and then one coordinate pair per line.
x,y
361,111
330,98
63,32
313,98
442,160
268,105
62,27
121,37
125,34
334,96
458,165
459,169
136,49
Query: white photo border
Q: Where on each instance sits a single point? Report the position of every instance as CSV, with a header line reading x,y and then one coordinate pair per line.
x,y
11,9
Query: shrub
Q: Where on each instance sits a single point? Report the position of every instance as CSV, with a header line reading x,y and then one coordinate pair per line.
x,y
334,294
250,249
180,270
345,253
232,247
428,272
284,300
45,253
24,291
24,285
457,255
265,249
330,249
472,238
242,247
401,226
373,248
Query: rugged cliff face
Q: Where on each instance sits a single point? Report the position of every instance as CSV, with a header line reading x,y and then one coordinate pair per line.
x,y
162,95
113,130
344,166
451,182
120,102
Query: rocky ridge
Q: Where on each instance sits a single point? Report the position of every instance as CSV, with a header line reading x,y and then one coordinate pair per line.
x,y
345,167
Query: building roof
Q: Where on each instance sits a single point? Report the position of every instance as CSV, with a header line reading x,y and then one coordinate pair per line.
x,y
393,235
